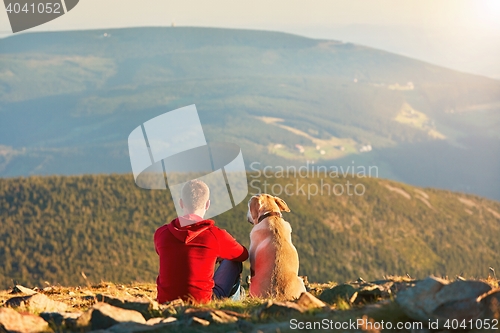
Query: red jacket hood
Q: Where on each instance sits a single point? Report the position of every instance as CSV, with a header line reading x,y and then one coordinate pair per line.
x,y
188,233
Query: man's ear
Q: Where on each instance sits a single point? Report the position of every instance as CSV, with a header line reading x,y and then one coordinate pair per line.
x,y
254,206
281,204
207,205
181,203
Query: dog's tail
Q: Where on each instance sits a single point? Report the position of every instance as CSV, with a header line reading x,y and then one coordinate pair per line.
x,y
278,280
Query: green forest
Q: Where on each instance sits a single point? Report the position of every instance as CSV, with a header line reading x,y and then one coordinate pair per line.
x,y
53,228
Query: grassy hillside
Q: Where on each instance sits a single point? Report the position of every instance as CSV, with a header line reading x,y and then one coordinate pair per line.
x,y
68,101
55,228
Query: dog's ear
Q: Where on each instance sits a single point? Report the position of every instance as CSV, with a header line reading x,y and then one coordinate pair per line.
x,y
281,204
253,206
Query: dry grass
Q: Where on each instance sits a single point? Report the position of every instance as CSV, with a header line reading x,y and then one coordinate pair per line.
x,y
81,298
248,310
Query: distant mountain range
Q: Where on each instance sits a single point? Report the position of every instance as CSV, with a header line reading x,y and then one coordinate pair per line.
x,y
68,101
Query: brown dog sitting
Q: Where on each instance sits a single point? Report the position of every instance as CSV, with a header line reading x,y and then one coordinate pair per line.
x,y
274,261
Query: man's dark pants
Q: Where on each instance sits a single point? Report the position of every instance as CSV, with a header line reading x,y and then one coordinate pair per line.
x,y
227,280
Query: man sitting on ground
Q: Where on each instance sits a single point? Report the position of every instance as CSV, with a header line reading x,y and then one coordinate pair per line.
x,y
189,247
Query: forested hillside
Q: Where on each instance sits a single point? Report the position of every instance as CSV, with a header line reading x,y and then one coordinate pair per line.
x,y
54,228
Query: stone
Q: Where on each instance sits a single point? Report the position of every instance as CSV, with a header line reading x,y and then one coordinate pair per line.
x,y
273,327
14,322
245,326
434,298
212,315
18,289
59,319
134,328
461,290
36,303
153,325
140,304
342,291
104,316
308,301
491,304
83,322
198,321
161,320
400,286
419,301
374,291
466,309
280,309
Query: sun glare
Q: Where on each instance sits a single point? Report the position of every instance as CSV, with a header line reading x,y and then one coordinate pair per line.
x,y
488,12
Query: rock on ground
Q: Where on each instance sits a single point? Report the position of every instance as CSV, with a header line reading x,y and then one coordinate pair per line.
x,y
308,301
103,316
136,328
434,298
140,304
491,303
343,291
36,303
161,320
18,289
213,315
280,309
15,322
58,319
195,321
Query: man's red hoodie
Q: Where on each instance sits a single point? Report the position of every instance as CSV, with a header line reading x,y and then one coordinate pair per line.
x,y
187,259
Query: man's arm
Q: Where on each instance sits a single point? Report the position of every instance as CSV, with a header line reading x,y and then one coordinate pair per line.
x,y
229,248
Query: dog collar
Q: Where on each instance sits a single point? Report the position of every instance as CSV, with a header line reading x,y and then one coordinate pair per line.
x,y
266,215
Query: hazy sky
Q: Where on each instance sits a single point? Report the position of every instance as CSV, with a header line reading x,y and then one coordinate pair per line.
x,y
462,34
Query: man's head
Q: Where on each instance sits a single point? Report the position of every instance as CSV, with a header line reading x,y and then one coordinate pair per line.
x,y
195,196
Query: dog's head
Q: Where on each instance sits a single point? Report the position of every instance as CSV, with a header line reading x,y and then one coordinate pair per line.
x,y
261,204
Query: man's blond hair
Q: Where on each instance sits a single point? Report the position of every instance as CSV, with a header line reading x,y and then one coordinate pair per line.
x,y
195,194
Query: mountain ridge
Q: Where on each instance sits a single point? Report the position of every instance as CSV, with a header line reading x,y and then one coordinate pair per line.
x,y
56,227
68,101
